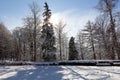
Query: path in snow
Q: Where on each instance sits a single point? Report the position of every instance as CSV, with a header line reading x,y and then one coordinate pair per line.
x,y
59,73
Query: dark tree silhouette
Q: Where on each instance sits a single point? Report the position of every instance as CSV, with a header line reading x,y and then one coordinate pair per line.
x,y
73,53
48,39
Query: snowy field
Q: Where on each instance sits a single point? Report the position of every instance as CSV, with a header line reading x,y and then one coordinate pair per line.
x,y
59,73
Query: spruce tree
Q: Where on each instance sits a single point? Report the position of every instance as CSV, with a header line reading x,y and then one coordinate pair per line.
x,y
73,53
48,39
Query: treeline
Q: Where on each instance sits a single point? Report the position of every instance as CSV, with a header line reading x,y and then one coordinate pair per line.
x,y
101,39
39,40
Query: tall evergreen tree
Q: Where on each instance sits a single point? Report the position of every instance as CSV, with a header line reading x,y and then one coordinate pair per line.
x,y
48,39
73,53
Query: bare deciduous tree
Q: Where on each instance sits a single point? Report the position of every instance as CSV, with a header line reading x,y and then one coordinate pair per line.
x,y
107,6
59,34
5,43
89,30
35,11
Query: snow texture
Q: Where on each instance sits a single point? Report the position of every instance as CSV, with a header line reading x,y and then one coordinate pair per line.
x,y
59,73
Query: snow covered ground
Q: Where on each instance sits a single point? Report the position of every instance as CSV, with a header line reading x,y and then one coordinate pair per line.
x,y
59,73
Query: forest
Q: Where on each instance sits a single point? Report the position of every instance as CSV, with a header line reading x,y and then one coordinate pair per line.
x,y
39,40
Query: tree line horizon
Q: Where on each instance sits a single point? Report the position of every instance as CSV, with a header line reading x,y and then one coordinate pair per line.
x,y
40,40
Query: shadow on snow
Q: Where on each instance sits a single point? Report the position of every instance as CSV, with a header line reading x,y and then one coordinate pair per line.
x,y
39,73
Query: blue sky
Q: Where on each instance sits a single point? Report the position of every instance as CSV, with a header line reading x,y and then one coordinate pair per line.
x,y
21,6
75,13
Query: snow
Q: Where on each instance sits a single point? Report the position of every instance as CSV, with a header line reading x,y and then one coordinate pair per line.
x,y
59,73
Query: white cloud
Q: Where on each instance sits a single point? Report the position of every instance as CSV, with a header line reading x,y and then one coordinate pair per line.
x,y
74,19
11,22
5,17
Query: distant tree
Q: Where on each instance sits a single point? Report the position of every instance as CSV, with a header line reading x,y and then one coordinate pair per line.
x,y
5,43
73,53
47,36
17,37
81,45
61,38
21,43
65,47
28,24
90,30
